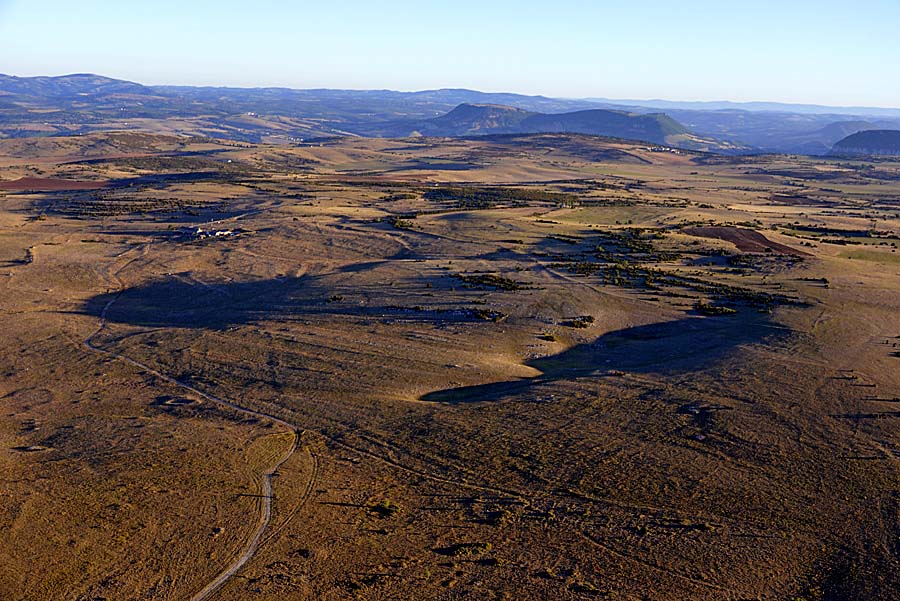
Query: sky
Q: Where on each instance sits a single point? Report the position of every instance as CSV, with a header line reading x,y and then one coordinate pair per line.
x,y
838,53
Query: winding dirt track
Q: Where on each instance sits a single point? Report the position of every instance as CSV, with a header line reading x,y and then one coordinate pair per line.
x,y
266,482
252,545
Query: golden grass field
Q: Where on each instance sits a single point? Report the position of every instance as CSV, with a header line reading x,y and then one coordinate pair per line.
x,y
523,367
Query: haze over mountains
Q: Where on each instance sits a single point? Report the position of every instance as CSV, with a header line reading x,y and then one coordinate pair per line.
x,y
873,142
492,119
773,107
36,106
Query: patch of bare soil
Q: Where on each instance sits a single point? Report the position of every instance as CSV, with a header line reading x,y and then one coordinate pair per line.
x,y
746,240
46,184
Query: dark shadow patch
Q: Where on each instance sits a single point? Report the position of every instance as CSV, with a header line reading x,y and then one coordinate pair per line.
x,y
174,401
424,165
185,303
167,179
31,449
178,301
687,344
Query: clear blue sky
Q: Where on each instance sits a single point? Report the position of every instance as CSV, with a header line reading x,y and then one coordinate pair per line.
x,y
825,51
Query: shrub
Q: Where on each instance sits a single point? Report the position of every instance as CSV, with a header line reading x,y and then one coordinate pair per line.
x,y
385,509
711,310
582,321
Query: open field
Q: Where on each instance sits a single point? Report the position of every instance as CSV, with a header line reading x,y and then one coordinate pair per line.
x,y
512,367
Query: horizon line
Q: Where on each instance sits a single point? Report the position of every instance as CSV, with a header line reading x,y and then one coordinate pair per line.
x,y
594,99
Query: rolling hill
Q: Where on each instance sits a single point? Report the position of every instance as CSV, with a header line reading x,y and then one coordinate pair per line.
x,y
884,142
473,119
78,85
490,119
86,103
476,119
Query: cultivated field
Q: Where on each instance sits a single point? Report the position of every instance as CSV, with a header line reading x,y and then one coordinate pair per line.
x,y
517,367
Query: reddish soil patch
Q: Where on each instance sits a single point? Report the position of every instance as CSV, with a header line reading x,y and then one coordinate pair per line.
x,y
746,240
40,184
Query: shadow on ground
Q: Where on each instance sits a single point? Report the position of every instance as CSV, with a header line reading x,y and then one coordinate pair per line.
x,y
687,344
691,343
182,302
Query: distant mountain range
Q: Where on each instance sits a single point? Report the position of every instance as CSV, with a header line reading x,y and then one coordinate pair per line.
x,y
477,119
492,119
83,103
874,143
771,107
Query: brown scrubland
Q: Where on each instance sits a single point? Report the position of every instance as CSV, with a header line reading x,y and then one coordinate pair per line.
x,y
513,367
